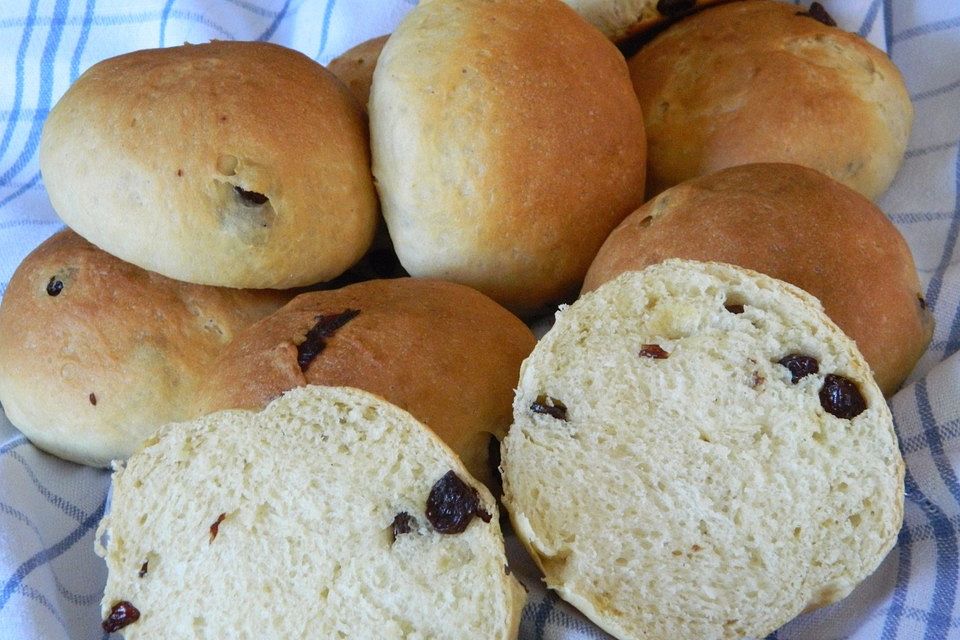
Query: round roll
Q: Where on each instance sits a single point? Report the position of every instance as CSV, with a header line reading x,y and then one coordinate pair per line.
x,y
238,164
330,514
444,352
620,19
355,66
766,81
507,143
96,353
698,452
797,225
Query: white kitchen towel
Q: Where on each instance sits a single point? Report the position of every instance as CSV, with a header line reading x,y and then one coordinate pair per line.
x,y
50,579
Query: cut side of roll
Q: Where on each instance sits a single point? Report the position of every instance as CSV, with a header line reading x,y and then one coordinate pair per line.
x,y
699,452
331,514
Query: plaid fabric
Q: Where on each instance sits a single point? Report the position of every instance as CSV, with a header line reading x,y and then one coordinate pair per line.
x,y
50,579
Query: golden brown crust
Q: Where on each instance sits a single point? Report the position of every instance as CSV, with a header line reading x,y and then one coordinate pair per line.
x,y
757,81
90,372
355,66
507,143
797,225
444,352
143,154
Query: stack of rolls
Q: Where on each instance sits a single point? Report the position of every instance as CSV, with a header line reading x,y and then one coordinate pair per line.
x,y
217,315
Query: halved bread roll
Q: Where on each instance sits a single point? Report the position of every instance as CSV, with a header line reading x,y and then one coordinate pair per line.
x,y
330,514
699,452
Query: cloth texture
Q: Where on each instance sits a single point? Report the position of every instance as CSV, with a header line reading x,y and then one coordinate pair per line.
x,y
50,579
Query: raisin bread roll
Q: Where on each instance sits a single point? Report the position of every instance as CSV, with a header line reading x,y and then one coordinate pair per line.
x,y
96,353
355,66
507,144
767,81
699,452
238,164
330,514
444,352
797,225
620,19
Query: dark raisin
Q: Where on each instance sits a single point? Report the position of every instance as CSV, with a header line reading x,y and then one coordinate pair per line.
x,y
493,459
922,301
818,13
54,287
452,503
675,8
402,523
800,366
325,327
841,397
555,408
654,351
215,527
93,399
251,198
734,308
122,614
143,569
179,173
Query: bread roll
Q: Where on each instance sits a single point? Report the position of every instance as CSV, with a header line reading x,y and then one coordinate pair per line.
x,y
238,164
620,19
794,224
330,514
442,351
96,353
698,452
355,66
766,81
507,144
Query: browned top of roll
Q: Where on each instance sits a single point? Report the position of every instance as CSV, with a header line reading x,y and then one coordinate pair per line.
x,y
355,67
444,352
96,353
794,224
766,81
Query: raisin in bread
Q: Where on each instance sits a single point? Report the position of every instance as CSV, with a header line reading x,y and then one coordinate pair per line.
x,y
699,452
331,514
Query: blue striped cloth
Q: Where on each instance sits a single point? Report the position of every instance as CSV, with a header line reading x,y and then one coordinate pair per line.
x,y
50,579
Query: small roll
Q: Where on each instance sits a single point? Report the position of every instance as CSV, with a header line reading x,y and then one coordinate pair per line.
x,y
621,19
237,164
507,143
355,66
444,352
797,225
96,353
766,81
